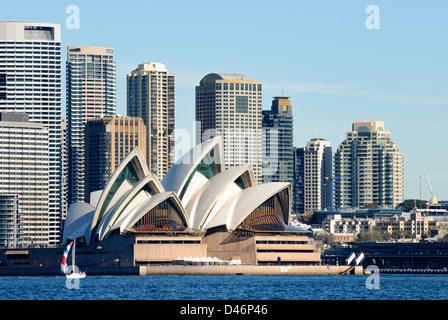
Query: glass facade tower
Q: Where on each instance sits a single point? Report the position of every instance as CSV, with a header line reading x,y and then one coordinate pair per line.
x,y
277,155
91,87
30,82
151,96
230,105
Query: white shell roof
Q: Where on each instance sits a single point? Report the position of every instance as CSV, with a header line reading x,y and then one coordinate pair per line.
x,y
116,213
238,208
135,157
177,176
149,204
79,218
214,192
212,199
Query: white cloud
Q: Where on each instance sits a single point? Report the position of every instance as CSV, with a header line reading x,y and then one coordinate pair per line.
x,y
351,90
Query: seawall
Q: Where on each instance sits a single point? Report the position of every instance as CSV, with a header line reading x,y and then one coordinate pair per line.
x,y
192,270
249,270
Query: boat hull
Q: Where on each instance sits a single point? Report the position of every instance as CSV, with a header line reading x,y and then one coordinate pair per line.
x,y
76,276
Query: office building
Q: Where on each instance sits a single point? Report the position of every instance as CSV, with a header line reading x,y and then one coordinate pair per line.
x,y
368,168
25,174
107,142
230,105
277,152
317,168
151,96
91,87
30,82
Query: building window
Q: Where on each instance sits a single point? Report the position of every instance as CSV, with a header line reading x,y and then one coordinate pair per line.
x,y
241,104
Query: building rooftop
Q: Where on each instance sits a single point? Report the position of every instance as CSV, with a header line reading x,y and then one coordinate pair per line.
x,y
225,76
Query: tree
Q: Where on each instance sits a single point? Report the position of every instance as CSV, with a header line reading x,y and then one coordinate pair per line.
x,y
409,204
400,233
324,238
369,236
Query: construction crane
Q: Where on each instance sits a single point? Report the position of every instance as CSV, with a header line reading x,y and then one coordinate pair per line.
x,y
433,196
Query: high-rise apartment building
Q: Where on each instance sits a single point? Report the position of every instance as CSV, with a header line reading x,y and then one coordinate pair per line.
x,y
107,142
312,170
30,82
151,96
298,181
368,167
91,87
64,169
25,174
317,167
277,155
230,105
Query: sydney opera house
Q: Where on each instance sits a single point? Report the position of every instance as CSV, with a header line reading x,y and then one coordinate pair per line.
x,y
199,209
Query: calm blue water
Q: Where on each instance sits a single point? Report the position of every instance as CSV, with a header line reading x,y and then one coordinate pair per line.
x,y
227,287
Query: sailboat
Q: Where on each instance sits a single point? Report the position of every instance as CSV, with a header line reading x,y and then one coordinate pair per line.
x,y
75,274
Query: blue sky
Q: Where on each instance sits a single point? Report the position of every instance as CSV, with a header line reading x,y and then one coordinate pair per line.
x,y
319,53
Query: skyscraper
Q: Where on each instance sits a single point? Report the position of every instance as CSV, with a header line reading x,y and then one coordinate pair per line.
x,y
151,96
30,82
317,167
25,174
107,142
277,155
91,87
230,105
368,167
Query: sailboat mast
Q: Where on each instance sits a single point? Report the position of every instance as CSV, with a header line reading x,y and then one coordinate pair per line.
x,y
73,255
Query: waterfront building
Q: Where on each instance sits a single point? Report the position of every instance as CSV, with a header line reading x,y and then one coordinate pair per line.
x,y
334,224
30,82
317,168
277,155
393,256
199,209
151,96
25,174
353,213
107,142
230,105
368,168
8,219
90,93
414,224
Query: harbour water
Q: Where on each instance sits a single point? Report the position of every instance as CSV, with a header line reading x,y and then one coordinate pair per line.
x,y
229,287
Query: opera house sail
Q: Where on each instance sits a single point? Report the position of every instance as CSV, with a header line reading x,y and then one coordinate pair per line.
x,y
198,209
